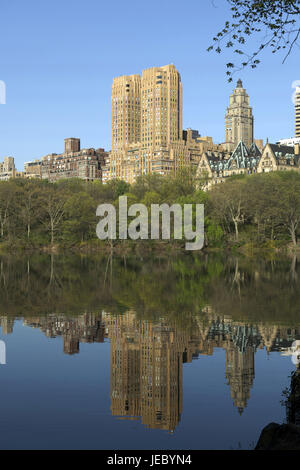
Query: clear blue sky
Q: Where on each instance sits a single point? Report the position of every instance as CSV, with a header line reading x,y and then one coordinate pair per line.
x,y
58,59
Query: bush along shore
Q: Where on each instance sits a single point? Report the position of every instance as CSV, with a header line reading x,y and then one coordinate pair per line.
x,y
249,214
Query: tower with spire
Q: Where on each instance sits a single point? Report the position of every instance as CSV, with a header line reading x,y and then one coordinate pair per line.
x,y
239,118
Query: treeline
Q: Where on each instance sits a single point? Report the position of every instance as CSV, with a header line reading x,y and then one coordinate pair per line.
x,y
258,209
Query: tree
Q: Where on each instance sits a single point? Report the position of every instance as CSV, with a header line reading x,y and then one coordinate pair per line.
x,y
151,197
276,23
289,203
54,204
117,188
229,204
263,193
6,204
28,203
80,211
147,183
183,183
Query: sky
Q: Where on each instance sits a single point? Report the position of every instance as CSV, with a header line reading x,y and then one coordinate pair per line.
x,y
58,59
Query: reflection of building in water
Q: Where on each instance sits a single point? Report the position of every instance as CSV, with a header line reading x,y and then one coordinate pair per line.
x,y
125,365
161,376
146,370
240,343
85,328
147,356
239,371
268,334
7,325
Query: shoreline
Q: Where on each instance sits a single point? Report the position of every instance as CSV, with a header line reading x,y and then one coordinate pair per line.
x,y
130,247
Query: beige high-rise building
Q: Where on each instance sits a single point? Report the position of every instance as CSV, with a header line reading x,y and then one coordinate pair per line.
x,y
297,112
161,116
239,119
146,119
125,112
146,127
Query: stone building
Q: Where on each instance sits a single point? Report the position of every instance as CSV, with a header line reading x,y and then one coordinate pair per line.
x,y
146,127
297,112
33,169
73,163
239,120
86,164
277,157
146,114
215,167
8,169
72,144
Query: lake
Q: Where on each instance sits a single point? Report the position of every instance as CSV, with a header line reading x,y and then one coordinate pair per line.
x,y
181,352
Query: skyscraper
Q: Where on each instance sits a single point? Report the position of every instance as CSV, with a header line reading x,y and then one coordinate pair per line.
x,y
161,117
125,111
146,118
239,118
297,112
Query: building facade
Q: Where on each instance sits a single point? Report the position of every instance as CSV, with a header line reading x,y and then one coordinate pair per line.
x,y
72,144
215,167
147,135
279,158
33,169
75,162
8,169
239,121
125,113
146,117
289,142
297,112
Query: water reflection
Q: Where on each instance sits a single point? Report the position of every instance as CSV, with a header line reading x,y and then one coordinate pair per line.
x,y
157,314
147,357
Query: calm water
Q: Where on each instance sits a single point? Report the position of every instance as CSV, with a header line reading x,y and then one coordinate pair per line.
x,y
129,353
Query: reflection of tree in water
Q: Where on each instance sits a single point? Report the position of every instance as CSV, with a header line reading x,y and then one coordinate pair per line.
x,y
55,283
293,270
195,303
264,290
178,286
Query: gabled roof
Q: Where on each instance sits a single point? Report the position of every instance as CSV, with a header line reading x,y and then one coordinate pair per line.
x,y
285,154
241,157
282,150
254,150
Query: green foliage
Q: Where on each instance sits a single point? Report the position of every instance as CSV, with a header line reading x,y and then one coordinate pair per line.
x,y
268,203
80,219
214,232
256,210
